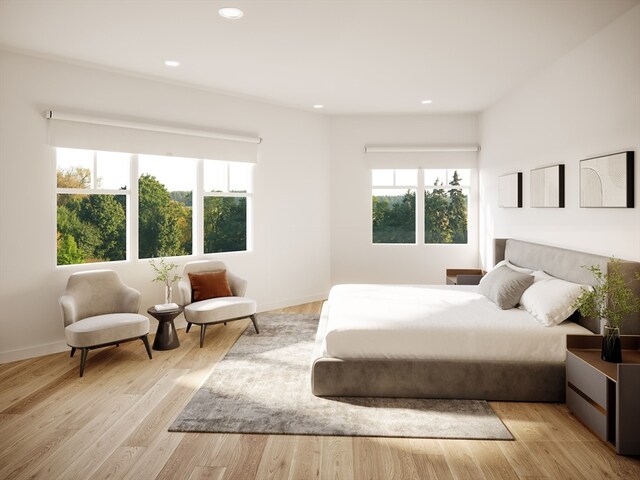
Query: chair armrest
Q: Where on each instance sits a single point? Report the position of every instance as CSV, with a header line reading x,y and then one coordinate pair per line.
x,y
130,300
238,285
184,287
68,308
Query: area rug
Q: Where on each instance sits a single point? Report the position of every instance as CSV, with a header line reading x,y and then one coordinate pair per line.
x,y
263,386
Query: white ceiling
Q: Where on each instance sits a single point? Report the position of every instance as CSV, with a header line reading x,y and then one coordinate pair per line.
x,y
353,56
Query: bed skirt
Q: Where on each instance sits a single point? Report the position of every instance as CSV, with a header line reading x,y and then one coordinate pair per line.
x,y
480,380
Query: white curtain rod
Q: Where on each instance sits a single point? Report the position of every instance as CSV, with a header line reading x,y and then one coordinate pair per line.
x,y
72,117
472,148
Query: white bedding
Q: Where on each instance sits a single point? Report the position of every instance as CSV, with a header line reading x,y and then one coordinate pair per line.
x,y
436,322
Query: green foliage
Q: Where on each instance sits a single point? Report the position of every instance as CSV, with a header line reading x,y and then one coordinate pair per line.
x,y
225,224
394,218
437,228
457,211
162,223
164,271
68,251
611,299
96,223
92,228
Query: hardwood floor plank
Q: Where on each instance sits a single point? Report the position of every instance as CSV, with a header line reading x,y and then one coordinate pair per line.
x,y
155,457
208,473
337,458
191,452
276,458
118,463
491,460
460,460
240,457
306,458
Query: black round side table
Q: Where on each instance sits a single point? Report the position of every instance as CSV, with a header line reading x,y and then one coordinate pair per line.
x,y
166,336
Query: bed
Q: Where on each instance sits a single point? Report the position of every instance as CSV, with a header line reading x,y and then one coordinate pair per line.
x,y
449,341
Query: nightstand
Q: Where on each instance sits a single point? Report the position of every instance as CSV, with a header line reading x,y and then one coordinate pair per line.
x,y
464,276
605,396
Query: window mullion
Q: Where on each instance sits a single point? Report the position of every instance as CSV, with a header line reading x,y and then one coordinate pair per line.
x,y
197,210
133,208
420,208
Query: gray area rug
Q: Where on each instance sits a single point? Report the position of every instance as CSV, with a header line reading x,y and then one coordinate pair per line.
x,y
263,385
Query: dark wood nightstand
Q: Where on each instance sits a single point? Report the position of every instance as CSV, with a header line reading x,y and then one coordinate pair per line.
x,y
605,396
464,276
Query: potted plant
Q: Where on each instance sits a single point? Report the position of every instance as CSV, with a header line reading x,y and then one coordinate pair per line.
x,y
164,273
611,299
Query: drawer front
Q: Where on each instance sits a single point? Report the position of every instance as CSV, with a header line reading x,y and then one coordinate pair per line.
x,y
587,414
587,379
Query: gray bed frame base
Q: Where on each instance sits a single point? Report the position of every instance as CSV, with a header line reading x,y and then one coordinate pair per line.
x,y
499,381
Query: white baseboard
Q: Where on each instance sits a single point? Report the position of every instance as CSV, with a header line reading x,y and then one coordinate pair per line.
x,y
34,351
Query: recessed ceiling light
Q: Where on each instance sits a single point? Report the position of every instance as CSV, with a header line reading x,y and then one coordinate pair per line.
x,y
171,63
231,13
426,102
318,106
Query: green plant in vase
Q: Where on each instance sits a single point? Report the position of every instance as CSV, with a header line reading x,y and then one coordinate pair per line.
x,y
611,299
165,273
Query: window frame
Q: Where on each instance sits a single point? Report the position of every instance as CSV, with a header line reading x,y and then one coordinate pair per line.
x,y
132,207
420,203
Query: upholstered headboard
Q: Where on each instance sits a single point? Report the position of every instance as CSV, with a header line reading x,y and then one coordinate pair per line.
x,y
567,265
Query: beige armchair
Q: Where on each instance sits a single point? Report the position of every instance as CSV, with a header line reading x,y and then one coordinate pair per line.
x,y
99,310
215,310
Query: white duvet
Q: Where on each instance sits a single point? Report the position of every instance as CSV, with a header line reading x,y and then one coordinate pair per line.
x,y
436,322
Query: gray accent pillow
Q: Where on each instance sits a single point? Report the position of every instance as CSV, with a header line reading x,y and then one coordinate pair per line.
x,y
504,286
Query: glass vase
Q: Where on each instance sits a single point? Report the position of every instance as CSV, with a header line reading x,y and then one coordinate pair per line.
x,y
611,349
167,293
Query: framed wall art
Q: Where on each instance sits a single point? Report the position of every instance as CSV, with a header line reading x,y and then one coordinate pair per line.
x,y
510,190
607,181
547,187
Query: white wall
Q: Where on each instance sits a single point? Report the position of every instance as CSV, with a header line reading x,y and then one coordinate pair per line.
x,y
291,256
353,257
585,104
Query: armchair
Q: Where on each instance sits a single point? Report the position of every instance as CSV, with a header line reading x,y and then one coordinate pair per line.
x,y
99,310
215,310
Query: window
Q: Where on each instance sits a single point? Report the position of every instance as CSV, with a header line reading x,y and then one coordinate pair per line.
x,y
227,191
165,201
92,197
442,212
446,201
394,206
97,223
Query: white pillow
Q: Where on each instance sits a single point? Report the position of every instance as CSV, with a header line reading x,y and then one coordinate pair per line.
x,y
550,300
513,267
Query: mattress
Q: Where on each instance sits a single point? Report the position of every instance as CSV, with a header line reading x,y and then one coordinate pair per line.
x,y
451,322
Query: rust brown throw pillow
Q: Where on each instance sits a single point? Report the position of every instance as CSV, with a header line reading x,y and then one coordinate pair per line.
x,y
205,285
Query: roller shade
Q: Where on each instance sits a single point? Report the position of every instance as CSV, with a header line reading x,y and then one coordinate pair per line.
x,y
422,157
114,135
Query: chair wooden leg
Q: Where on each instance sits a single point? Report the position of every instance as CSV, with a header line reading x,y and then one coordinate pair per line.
x,y
83,359
225,323
255,323
203,328
188,327
73,350
145,340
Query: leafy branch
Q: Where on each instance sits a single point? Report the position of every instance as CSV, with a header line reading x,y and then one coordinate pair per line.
x,y
611,298
164,271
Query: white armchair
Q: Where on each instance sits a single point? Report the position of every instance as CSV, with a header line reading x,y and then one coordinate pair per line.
x,y
215,310
99,310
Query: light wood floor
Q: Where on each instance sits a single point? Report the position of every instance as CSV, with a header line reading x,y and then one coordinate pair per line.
x,y
113,424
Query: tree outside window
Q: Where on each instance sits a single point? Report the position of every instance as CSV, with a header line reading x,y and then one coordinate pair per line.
x,y
446,202
227,190
444,210
92,190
